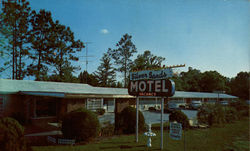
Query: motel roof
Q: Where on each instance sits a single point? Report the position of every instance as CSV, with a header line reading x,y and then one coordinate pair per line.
x,y
61,89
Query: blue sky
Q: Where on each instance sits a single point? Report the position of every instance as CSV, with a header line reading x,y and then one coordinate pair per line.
x,y
203,34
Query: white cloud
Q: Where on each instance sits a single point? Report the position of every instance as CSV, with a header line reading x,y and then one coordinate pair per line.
x,y
104,31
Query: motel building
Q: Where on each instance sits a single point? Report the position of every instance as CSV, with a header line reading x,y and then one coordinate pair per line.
x,y
39,101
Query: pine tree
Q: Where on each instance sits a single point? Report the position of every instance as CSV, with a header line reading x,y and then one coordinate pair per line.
x,y
147,60
42,43
15,18
85,77
123,54
105,73
65,48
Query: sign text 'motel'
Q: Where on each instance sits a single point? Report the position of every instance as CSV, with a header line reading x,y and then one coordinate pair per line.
x,y
151,83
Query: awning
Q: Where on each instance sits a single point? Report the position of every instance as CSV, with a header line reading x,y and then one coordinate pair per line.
x,y
51,94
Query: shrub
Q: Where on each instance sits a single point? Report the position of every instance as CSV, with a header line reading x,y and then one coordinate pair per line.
x,y
231,114
81,124
216,114
179,117
125,122
11,135
241,107
100,111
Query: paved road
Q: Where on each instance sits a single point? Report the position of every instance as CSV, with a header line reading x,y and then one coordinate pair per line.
x,y
150,117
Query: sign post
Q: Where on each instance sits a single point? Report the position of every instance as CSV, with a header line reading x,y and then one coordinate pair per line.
x,y
151,83
162,112
137,117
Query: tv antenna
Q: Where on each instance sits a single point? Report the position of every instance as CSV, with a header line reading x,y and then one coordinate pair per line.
x,y
86,60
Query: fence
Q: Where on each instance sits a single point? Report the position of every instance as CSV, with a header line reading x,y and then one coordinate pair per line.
x,y
61,141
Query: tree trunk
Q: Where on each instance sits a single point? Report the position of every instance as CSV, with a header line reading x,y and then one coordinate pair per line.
x,y
38,66
20,61
13,55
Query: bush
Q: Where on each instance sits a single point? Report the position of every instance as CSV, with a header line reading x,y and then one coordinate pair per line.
x,y
81,124
217,114
241,107
125,122
179,117
100,111
11,135
231,114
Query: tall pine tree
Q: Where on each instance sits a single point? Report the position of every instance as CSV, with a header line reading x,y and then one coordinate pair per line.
x,y
105,73
65,48
122,55
16,19
42,43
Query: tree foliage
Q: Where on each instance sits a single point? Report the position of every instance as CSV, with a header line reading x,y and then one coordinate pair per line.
x,y
41,38
191,80
147,61
240,85
85,77
122,55
15,18
65,47
105,73
35,45
213,81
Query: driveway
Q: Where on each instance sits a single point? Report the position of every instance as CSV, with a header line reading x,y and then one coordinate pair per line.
x,y
150,117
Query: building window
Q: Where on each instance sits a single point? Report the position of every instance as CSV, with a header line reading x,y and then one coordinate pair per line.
x,y
93,104
45,107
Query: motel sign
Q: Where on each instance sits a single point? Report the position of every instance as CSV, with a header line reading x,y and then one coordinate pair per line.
x,y
151,83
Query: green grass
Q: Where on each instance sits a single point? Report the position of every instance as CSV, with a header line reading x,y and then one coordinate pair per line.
x,y
231,137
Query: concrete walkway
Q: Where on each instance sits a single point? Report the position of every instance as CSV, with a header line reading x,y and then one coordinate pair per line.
x,y
45,133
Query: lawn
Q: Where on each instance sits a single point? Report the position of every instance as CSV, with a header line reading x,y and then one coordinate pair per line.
x,y
231,137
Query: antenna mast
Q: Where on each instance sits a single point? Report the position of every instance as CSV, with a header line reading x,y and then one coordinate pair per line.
x,y
86,60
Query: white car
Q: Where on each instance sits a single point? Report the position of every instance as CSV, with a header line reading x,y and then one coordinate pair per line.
x,y
195,104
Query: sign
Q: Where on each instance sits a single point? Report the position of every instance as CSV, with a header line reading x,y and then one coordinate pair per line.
x,y
151,74
175,131
151,83
164,87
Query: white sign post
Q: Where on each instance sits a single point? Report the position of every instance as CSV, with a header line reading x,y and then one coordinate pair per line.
x,y
175,131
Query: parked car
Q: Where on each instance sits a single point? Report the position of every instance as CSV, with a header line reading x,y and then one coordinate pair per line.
x,y
195,104
224,103
173,106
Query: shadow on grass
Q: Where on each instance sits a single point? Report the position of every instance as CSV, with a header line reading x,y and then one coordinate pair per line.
x,y
142,147
110,147
116,142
